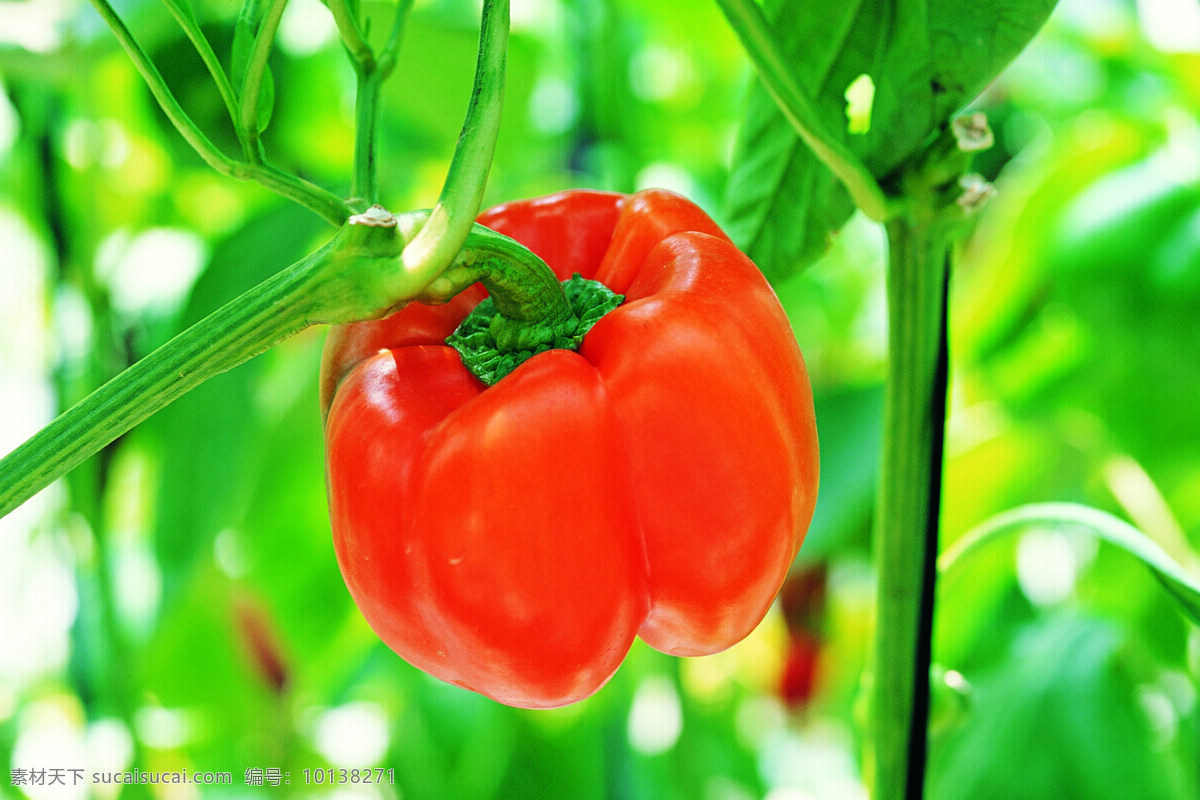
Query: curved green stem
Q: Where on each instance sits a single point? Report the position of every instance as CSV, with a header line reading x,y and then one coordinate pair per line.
x,y
322,202
1181,582
753,29
357,275
256,70
245,35
908,506
428,254
522,286
187,20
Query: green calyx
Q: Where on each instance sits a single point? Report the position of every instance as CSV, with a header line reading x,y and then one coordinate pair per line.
x,y
492,344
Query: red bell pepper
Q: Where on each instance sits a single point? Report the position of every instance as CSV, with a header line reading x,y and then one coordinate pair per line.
x,y
657,482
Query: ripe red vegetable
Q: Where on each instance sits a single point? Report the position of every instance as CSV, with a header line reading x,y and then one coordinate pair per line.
x,y
515,538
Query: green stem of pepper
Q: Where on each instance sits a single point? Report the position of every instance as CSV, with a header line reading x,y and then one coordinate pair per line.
x,y
524,288
909,499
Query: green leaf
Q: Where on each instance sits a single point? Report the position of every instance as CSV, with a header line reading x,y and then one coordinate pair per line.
x,y
782,204
851,440
971,42
926,60
1182,585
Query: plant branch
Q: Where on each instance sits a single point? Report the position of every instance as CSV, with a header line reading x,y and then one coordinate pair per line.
x,y
236,332
366,99
908,506
327,205
754,30
324,203
371,72
359,274
363,183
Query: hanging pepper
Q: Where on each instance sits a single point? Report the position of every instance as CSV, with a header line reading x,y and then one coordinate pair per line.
x,y
512,534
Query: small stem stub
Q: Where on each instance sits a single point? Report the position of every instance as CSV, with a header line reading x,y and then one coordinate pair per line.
x,y
492,345
374,217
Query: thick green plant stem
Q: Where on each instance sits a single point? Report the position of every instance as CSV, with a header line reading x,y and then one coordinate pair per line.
x,y
357,275
754,30
908,506
233,334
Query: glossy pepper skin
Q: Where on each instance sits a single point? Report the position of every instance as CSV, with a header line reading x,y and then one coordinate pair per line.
x,y
658,482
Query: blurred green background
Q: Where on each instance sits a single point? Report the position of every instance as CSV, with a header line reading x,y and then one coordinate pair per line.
x,y
175,604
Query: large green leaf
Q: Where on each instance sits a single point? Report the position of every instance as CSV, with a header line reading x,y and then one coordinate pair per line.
x,y
782,204
926,60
